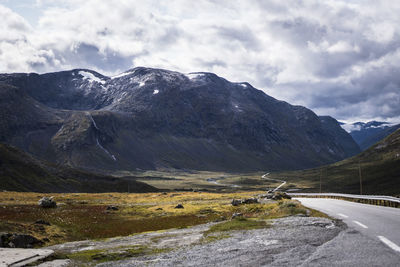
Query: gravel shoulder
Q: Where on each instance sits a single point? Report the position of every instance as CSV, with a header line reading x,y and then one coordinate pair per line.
x,y
287,241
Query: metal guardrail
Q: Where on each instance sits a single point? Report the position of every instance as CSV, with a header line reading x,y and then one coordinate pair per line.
x,y
369,199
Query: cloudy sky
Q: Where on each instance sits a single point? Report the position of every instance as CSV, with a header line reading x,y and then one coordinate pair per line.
x,y
339,58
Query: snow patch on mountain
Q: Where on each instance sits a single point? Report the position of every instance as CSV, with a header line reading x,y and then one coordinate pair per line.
x,y
155,92
195,76
90,77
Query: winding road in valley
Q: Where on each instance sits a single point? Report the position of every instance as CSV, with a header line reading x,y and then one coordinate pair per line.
x,y
276,180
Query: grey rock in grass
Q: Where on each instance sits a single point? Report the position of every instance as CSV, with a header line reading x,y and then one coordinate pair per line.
x,y
47,202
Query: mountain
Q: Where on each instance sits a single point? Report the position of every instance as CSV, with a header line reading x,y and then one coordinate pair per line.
x,y
158,119
379,165
367,134
340,136
21,172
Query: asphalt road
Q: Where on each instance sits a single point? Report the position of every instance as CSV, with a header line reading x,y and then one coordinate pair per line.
x,y
377,222
276,180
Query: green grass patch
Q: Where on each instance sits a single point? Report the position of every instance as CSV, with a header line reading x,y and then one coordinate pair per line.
x,y
214,237
98,255
236,224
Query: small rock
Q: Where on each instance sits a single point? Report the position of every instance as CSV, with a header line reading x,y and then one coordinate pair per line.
x,y
47,202
250,200
179,206
42,222
112,208
269,195
4,239
236,215
159,208
280,195
236,202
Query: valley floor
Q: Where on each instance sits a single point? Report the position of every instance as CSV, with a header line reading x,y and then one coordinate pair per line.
x,y
152,229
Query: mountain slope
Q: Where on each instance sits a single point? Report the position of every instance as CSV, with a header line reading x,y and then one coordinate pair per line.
x,y
156,119
340,136
21,172
380,171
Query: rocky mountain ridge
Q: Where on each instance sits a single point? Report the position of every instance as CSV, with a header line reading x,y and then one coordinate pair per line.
x,y
157,119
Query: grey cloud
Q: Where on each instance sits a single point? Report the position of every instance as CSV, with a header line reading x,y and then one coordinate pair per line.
x,y
170,36
243,35
89,56
298,30
339,58
210,63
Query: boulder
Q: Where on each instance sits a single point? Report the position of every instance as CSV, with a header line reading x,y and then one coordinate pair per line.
x,y
112,208
280,195
8,240
179,206
251,200
47,202
236,202
268,195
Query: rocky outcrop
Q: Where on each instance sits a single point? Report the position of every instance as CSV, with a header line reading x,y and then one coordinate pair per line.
x,y
276,196
237,202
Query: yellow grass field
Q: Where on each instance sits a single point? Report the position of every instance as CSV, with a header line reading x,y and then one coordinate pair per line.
x,y
85,216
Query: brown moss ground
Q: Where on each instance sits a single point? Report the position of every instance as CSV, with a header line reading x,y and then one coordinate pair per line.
x,y
85,216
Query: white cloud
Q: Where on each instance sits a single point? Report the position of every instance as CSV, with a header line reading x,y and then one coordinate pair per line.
x,y
315,50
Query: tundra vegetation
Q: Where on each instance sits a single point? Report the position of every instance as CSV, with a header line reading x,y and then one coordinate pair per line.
x,y
89,216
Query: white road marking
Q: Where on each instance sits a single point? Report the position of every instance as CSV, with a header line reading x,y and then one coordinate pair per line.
x,y
389,243
360,224
344,216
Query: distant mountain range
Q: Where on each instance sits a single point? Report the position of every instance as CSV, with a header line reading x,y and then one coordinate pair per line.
x,y
369,133
158,119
